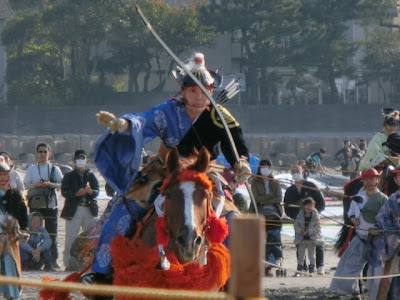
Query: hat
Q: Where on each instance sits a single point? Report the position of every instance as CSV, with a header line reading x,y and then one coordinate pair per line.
x,y
80,153
229,175
4,167
393,142
197,66
371,173
391,116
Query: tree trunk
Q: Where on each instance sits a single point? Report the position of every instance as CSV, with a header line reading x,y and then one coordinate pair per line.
x,y
147,77
162,83
332,85
130,77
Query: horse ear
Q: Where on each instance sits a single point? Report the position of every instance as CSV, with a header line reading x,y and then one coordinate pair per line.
x,y
172,160
203,160
162,151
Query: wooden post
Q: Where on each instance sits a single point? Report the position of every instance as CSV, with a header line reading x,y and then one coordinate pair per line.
x,y
247,246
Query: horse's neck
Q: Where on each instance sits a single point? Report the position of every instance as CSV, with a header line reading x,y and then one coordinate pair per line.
x,y
147,233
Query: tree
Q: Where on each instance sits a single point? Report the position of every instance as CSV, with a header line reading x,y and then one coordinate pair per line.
x,y
263,29
133,46
69,45
382,60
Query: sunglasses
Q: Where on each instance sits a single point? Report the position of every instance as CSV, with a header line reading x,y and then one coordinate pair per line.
x,y
42,151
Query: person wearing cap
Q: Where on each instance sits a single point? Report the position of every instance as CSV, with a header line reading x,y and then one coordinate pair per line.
x,y
47,177
376,145
363,210
314,161
384,245
13,211
16,181
187,121
79,187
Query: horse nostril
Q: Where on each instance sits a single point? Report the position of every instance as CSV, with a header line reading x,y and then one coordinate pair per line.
x,y
198,241
181,241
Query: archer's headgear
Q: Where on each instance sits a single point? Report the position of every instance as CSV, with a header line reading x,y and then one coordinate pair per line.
x,y
391,117
196,65
371,173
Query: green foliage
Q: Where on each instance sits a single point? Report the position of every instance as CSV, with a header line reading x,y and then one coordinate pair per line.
x,y
62,49
382,59
304,35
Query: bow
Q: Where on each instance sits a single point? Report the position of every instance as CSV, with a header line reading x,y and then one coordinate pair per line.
x,y
214,104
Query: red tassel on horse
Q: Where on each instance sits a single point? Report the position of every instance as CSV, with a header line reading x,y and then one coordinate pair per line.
x,y
162,232
217,229
59,295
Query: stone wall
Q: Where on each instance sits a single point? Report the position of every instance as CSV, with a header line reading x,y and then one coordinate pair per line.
x,y
286,133
284,150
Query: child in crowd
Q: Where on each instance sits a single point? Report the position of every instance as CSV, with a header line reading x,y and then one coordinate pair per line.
x,y
308,234
35,252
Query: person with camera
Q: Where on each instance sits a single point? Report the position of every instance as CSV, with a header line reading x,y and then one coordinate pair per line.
x,y
42,180
80,188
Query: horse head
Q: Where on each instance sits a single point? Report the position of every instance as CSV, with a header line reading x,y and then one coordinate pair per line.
x,y
188,194
148,180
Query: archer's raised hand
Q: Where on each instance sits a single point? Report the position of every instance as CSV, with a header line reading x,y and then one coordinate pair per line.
x,y
112,122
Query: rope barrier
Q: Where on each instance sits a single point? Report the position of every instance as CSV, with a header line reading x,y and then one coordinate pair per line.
x,y
334,277
112,290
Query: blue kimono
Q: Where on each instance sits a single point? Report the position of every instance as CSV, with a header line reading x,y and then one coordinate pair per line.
x,y
118,155
118,158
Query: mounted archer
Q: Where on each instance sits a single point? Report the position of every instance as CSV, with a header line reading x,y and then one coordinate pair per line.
x,y
186,121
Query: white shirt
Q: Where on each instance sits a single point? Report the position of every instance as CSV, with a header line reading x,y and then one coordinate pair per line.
x,y
37,172
16,181
355,210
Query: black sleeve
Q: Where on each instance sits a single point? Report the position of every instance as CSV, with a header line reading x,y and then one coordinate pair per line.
x,y
240,143
67,188
337,154
290,198
94,184
22,211
317,196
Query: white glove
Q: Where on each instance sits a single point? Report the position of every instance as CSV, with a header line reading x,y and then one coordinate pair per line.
x,y
111,121
242,170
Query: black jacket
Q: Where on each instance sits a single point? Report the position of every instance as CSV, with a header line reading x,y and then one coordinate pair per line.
x,y
209,127
70,184
13,203
292,196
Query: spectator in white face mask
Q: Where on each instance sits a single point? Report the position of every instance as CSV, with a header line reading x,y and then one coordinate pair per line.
x,y
266,191
268,195
292,202
79,187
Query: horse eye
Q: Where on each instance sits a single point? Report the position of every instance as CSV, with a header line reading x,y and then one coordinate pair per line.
x,y
141,178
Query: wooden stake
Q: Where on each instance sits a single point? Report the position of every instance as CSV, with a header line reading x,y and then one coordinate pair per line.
x,y
247,246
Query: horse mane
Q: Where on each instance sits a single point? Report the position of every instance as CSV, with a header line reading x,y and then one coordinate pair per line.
x,y
185,174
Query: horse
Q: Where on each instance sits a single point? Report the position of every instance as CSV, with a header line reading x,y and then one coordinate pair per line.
x,y
189,236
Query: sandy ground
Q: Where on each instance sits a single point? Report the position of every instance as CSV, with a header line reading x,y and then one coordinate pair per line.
x,y
275,288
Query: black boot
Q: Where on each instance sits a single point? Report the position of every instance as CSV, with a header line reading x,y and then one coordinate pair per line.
x,y
93,278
